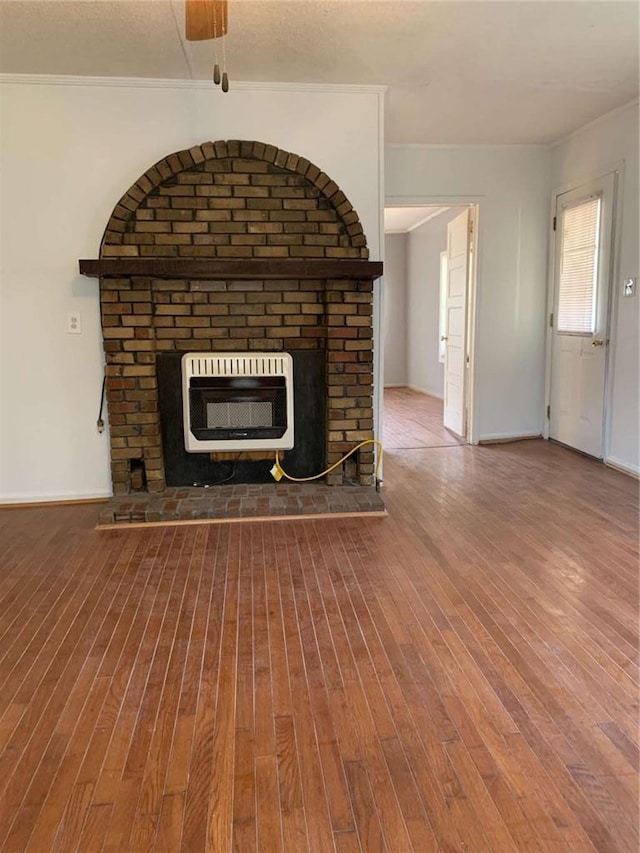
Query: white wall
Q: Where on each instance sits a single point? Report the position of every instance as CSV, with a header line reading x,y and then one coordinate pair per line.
x,y
424,369
511,185
595,150
395,309
69,149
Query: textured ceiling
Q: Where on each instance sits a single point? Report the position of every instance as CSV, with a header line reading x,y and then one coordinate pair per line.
x,y
458,72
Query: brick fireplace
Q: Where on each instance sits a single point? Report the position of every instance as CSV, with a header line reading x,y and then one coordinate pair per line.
x,y
229,247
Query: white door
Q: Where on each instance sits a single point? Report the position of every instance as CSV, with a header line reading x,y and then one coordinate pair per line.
x,y
580,316
455,355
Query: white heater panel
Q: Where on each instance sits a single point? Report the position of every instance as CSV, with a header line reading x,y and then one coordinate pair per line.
x,y
237,415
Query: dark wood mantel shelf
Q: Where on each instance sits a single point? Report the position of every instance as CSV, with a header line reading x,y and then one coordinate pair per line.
x,y
237,270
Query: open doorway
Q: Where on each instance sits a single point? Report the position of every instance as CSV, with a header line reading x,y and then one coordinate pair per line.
x,y
429,285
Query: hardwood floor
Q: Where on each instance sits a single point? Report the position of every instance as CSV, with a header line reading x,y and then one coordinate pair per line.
x,y
413,420
461,675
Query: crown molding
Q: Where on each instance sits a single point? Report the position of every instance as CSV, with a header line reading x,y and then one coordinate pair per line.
x,y
427,146
546,146
171,83
594,122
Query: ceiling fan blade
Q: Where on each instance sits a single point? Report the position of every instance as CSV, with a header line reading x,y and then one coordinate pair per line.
x,y
205,19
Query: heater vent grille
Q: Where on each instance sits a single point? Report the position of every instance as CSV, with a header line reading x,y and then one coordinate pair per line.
x,y
234,365
245,415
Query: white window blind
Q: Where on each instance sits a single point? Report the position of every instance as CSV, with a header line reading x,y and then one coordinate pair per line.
x,y
580,234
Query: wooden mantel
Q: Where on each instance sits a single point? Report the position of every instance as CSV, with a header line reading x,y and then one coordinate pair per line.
x,y
236,270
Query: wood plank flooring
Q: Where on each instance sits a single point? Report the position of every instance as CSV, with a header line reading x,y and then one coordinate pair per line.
x,y
460,676
413,420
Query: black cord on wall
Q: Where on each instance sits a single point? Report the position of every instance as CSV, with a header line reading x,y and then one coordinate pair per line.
x,y
100,422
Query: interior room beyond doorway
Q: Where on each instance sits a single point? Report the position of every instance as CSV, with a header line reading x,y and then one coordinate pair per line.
x,y
413,420
428,267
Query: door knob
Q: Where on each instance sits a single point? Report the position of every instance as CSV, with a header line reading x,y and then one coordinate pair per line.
x,y
443,338
597,343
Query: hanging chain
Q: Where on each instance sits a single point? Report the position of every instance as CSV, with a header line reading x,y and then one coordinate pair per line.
x,y
225,78
216,67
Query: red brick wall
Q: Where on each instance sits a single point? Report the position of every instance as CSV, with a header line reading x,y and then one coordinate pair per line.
x,y
233,200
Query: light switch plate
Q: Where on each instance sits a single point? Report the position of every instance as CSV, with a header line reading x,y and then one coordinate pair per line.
x,y
629,287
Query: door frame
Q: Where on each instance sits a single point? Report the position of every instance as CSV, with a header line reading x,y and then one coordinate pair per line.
x,y
617,170
474,205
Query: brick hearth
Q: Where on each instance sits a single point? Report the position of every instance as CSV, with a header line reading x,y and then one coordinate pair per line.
x,y
224,503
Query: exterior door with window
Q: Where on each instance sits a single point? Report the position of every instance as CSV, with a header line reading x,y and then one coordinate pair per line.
x,y
580,318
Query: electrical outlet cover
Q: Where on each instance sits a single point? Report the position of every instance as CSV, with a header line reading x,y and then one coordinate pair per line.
x,y
74,324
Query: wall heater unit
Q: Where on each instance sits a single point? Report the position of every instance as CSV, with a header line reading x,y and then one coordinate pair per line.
x,y
237,401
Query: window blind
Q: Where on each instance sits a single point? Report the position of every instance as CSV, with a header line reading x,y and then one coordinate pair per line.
x,y
579,250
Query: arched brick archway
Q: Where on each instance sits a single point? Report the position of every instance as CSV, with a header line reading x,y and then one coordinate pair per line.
x,y
275,215
234,199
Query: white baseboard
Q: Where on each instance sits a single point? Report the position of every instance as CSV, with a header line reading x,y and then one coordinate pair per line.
x,y
426,391
504,437
58,497
624,467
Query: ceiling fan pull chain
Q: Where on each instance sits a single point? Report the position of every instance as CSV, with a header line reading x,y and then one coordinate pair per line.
x,y
216,67
225,78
